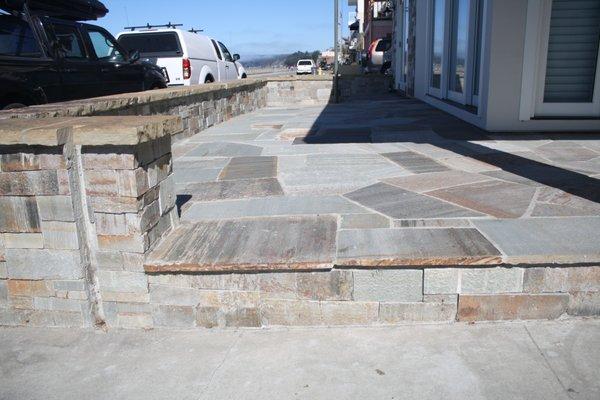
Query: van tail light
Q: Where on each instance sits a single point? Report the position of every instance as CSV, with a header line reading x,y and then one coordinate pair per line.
x,y
187,69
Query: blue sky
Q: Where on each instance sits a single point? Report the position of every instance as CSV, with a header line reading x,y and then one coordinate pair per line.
x,y
248,27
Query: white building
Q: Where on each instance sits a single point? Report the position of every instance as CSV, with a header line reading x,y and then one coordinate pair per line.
x,y
503,65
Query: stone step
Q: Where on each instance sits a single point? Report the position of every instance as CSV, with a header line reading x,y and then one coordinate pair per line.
x,y
278,243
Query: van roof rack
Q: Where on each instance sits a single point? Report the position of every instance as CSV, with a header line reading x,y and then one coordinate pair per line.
x,y
196,30
148,26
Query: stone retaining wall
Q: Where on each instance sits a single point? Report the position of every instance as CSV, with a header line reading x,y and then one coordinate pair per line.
x,y
369,297
311,91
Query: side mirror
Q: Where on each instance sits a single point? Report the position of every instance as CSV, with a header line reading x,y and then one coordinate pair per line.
x,y
134,56
236,57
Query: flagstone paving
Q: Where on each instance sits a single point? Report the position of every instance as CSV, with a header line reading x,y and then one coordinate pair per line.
x,y
390,182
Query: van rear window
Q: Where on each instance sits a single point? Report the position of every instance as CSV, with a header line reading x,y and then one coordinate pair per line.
x,y
160,44
305,63
384,45
17,38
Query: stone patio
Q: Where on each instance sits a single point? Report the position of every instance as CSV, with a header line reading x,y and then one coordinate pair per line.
x,y
392,182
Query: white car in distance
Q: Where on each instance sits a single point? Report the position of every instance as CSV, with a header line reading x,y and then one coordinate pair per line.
x,y
186,58
305,67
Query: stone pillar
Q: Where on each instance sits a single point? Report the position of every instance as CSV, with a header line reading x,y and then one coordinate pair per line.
x,y
81,202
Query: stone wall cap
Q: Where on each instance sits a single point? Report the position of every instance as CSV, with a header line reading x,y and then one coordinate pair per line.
x,y
88,131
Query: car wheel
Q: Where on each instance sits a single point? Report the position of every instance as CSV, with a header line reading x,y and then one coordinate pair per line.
x,y
209,79
244,76
13,106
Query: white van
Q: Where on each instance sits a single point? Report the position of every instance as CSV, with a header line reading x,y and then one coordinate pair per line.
x,y
305,67
186,58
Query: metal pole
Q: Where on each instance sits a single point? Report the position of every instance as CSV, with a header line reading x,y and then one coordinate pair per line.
x,y
336,35
336,64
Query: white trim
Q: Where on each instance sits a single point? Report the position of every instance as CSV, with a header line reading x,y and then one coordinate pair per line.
x,y
530,60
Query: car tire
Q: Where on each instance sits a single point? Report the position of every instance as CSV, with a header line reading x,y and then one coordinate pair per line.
x,y
13,106
244,76
209,79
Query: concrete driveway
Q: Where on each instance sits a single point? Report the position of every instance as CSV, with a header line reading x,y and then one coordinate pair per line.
x,y
535,360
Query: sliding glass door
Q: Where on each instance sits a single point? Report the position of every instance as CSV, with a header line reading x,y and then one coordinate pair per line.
x,y
403,22
569,74
456,50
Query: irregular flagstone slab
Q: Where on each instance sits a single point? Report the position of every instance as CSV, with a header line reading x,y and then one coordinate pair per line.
x,y
560,151
203,138
552,202
437,180
364,221
468,164
414,247
307,149
290,243
275,126
510,177
495,198
334,173
224,150
545,240
414,162
390,136
272,206
432,223
402,204
199,163
191,175
337,135
250,168
232,190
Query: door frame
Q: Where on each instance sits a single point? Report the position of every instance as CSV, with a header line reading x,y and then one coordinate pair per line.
x,y
537,38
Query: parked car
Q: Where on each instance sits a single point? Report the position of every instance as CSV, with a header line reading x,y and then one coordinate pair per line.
x,y
47,56
305,67
379,56
187,58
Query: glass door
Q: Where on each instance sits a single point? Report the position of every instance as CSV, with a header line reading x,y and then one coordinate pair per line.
x,y
569,76
456,37
438,44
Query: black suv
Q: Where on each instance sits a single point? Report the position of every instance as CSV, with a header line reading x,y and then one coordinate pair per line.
x,y
46,56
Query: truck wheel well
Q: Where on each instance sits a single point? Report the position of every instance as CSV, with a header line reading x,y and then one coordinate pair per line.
x,y
209,79
15,98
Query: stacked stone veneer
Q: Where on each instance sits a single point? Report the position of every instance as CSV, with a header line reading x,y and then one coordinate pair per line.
x,y
303,91
77,219
370,297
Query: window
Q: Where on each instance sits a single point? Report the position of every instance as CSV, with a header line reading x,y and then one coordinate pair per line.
x,y
165,44
405,26
383,45
225,52
17,38
459,45
572,52
305,63
70,41
439,13
217,50
105,48
564,37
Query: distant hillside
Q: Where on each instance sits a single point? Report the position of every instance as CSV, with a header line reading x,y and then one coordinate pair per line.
x,y
279,60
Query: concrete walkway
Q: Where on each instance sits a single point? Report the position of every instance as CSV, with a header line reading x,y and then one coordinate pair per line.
x,y
390,182
535,360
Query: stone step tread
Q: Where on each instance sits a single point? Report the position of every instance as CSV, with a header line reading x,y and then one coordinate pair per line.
x,y
278,243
